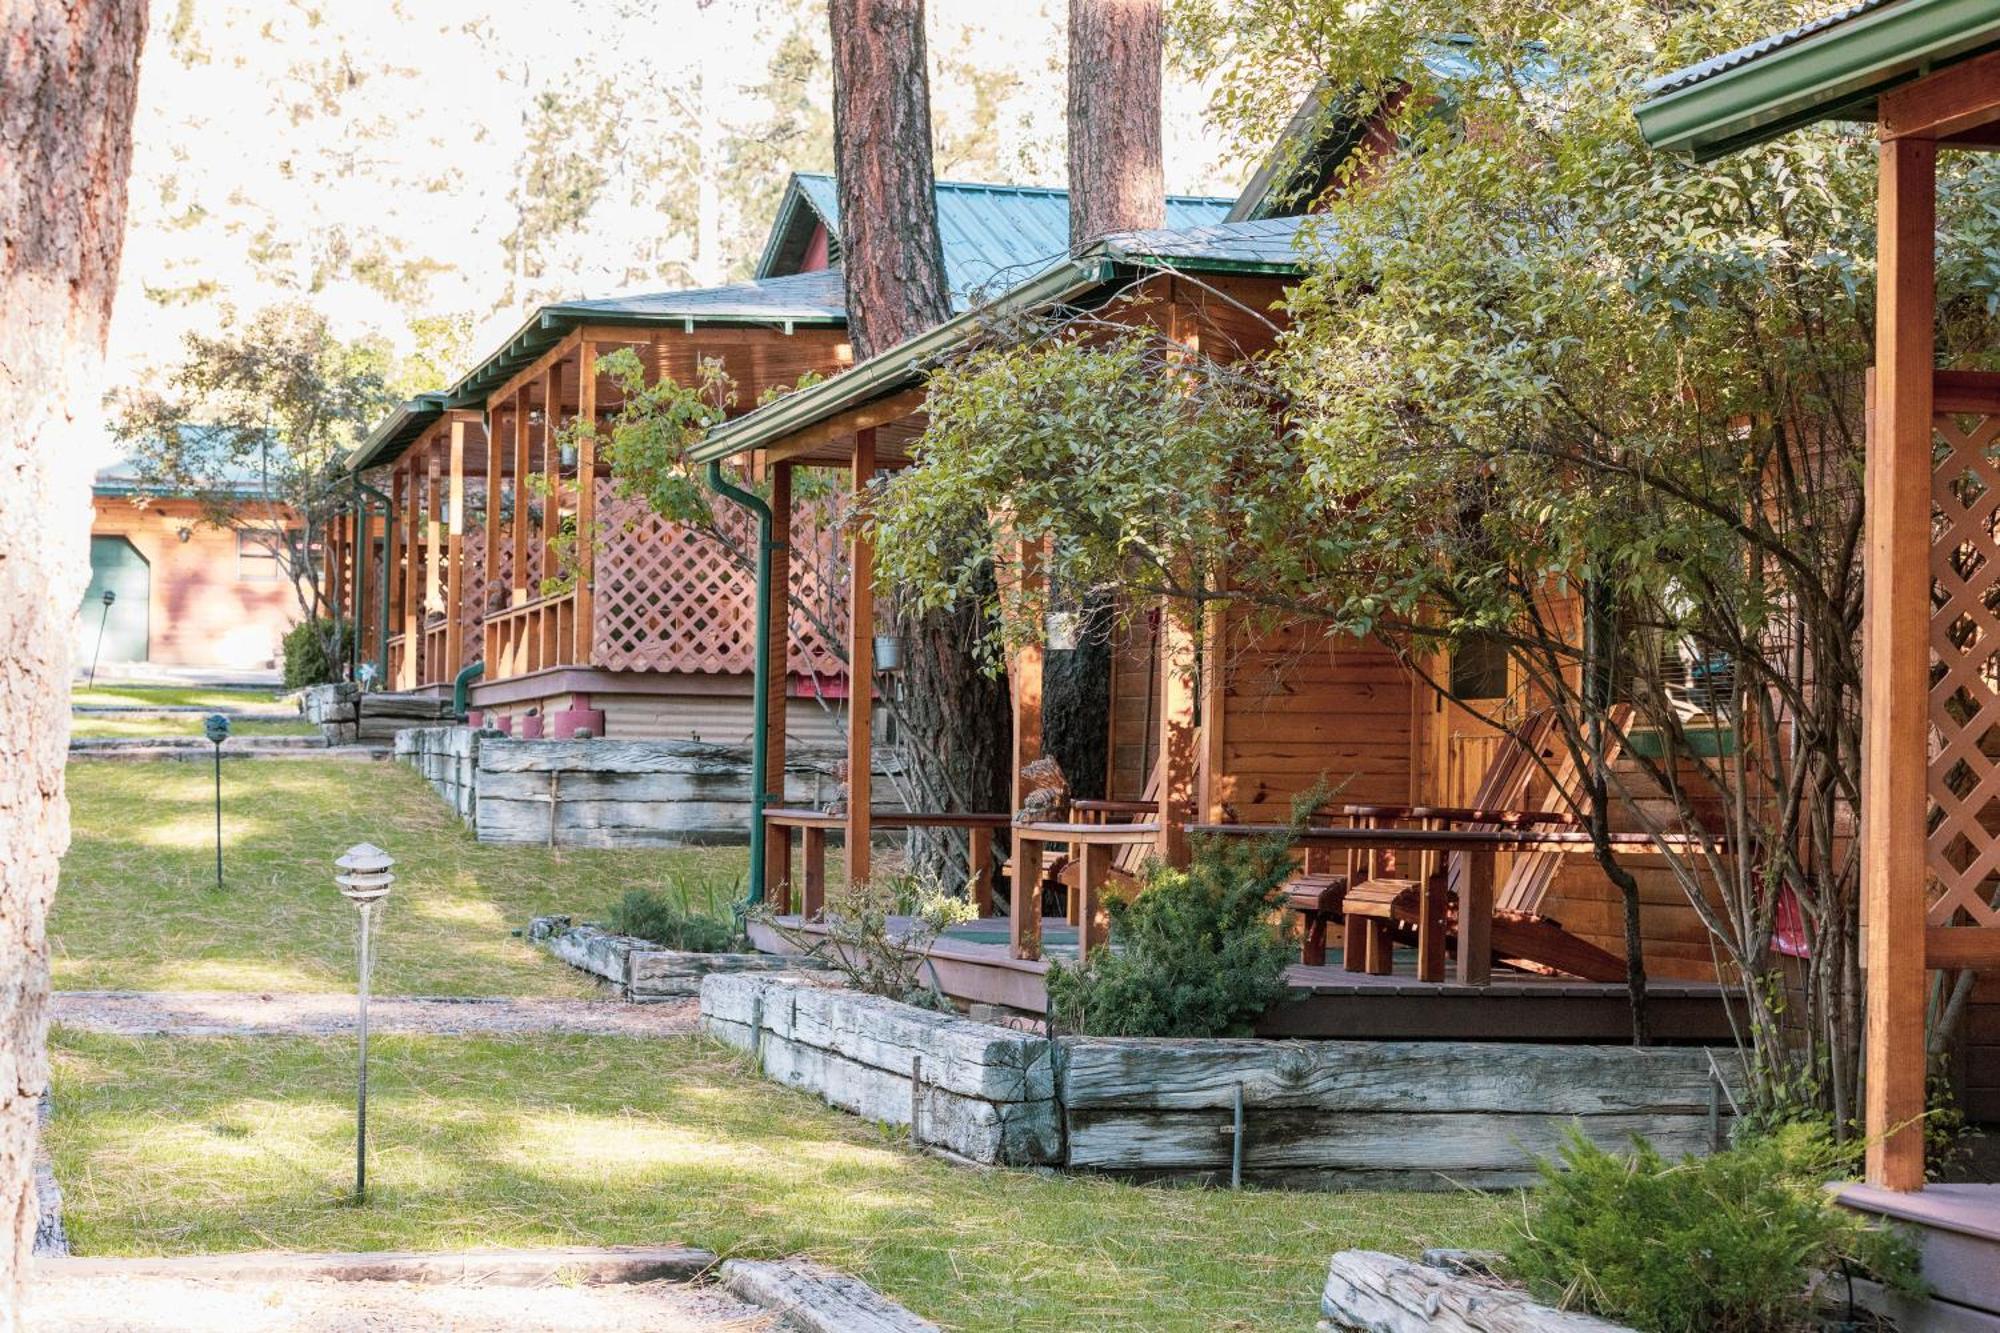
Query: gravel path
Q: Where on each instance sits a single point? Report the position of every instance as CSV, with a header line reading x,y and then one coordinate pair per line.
x,y
227,1014
143,1304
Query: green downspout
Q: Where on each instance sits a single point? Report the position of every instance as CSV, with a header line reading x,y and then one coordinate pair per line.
x,y
461,687
388,545
360,598
760,707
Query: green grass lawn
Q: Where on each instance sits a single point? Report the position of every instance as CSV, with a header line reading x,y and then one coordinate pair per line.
x,y
187,724
180,696
137,908
174,1147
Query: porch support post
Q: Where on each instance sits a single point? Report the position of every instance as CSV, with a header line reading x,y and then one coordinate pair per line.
x,y
1024,675
413,588
586,497
777,669
551,466
860,667
518,557
1178,760
1896,664
496,466
454,559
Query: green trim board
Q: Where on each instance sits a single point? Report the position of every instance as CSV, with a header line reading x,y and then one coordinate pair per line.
x,y
1834,68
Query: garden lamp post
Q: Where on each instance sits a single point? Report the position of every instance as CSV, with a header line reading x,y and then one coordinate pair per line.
x,y
108,598
364,880
217,728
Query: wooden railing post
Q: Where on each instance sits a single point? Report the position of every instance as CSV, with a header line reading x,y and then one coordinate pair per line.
x,y
1178,736
413,588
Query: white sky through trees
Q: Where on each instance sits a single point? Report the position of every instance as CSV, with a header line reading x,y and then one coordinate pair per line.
x,y
427,170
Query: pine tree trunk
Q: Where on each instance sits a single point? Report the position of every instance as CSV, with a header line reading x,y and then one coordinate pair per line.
x,y
68,73
1115,179
956,716
882,162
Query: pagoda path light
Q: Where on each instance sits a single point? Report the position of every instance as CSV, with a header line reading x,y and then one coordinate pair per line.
x,y
364,880
216,727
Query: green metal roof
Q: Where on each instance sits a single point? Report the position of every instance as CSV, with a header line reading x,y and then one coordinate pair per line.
x,y
1833,68
399,430
1271,246
992,236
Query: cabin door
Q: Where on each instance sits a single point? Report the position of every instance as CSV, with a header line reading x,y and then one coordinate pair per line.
x,y
1465,740
116,569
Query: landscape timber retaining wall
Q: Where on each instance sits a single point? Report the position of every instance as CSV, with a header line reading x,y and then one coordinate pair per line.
x,y
346,716
641,969
598,793
1316,1114
981,1092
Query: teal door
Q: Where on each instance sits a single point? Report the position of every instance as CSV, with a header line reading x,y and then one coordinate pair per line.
x,y
116,567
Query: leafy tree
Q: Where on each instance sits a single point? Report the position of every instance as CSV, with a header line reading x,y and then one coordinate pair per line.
x,y
1542,387
254,422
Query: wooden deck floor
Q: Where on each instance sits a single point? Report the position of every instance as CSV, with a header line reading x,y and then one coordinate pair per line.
x,y
972,965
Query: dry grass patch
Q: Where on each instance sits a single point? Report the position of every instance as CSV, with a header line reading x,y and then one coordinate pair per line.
x,y
171,1147
137,907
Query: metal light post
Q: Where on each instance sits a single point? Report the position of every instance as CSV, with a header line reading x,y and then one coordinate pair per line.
x,y
108,598
216,726
364,880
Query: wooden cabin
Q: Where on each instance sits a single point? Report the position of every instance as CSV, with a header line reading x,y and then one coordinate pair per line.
x,y
1224,732
1926,75
647,630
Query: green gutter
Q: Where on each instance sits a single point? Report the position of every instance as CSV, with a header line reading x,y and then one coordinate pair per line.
x,y
461,687
760,675
1835,72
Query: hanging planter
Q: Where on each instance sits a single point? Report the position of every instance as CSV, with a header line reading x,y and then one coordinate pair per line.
x,y
888,654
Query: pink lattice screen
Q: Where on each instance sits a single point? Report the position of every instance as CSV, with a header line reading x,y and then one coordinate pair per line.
x,y
669,598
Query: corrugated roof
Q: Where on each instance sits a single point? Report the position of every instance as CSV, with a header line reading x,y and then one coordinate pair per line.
x,y
1742,55
1274,246
123,477
992,236
1266,245
819,296
1835,67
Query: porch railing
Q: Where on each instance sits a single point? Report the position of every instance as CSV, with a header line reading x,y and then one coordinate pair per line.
x,y
533,636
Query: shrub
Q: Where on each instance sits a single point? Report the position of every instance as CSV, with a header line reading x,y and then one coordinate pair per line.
x,y
866,946
668,921
1732,1243
313,652
1201,952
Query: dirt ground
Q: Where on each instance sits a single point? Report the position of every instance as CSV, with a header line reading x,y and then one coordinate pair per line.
x,y
228,1014
155,1304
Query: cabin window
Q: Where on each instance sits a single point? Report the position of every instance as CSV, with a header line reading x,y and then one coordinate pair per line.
x,y
1479,667
257,555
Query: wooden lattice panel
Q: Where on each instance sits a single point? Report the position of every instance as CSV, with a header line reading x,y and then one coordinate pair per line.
x,y
1964,843
669,598
472,607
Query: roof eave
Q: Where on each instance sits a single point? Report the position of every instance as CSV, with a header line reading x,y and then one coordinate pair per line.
x,y
1835,72
894,369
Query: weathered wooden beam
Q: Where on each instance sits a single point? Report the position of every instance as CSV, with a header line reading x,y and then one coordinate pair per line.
x,y
1178,734
1380,1293
860,666
814,438
1955,100
533,373
1896,656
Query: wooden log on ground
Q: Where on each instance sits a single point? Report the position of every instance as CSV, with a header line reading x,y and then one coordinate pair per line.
x,y
1384,1076
1370,1292
818,1299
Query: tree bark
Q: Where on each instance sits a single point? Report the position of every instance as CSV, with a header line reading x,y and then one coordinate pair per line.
x,y
955,714
1115,179
68,76
882,162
